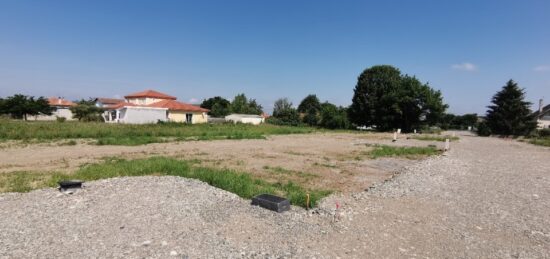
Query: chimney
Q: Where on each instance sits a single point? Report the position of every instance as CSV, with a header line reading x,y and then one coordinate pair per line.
x,y
58,100
540,106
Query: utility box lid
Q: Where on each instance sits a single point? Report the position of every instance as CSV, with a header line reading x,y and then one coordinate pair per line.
x,y
271,202
69,184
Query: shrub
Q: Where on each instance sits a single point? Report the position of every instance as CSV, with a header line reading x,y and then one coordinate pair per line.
x,y
483,129
60,119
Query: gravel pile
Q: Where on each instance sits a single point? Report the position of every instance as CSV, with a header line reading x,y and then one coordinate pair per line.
x,y
486,198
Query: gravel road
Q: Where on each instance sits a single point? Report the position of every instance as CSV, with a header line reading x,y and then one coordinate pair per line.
x,y
486,198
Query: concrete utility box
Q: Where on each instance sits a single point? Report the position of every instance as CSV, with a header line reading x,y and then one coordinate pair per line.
x,y
271,202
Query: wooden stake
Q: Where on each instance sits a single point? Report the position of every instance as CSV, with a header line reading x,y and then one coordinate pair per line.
x,y
307,201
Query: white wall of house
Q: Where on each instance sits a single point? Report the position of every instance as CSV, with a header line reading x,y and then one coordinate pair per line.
x,y
543,123
140,115
63,112
245,118
144,100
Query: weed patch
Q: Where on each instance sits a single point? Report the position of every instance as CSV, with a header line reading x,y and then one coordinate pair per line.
x,y
407,152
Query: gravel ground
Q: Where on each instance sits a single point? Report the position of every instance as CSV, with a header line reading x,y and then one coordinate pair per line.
x,y
486,198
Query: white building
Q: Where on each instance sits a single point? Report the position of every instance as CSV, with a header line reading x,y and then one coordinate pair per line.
x,y
245,118
62,110
133,114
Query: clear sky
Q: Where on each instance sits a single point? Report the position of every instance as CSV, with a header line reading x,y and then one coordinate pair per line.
x,y
271,49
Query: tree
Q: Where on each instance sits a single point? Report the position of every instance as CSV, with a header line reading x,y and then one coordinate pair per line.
x,y
311,117
218,106
310,102
284,113
388,100
333,117
19,106
510,113
85,110
245,106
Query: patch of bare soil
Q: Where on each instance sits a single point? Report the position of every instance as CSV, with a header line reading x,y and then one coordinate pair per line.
x,y
335,161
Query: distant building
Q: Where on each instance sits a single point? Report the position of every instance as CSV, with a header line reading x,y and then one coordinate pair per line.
x,y
61,110
543,116
151,106
245,118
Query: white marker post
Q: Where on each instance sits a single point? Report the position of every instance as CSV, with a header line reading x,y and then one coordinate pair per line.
x,y
447,144
398,131
394,136
415,131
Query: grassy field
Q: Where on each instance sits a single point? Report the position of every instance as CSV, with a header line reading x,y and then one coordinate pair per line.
x,y
434,138
240,183
126,134
407,152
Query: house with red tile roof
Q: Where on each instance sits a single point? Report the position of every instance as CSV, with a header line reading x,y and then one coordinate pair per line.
x,y
150,106
62,110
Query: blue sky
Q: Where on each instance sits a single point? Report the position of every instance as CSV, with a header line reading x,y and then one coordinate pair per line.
x,y
271,49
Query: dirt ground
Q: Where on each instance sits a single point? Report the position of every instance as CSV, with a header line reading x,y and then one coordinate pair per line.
x,y
485,198
335,161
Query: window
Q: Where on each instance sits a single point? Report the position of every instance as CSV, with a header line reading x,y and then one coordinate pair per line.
x,y
189,118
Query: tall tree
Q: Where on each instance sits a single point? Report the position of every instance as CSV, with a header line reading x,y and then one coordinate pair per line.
x,y
388,100
218,106
241,104
19,106
510,113
85,110
333,117
310,102
284,113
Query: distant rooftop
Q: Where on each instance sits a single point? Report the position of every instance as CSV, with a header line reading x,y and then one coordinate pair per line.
x,y
150,94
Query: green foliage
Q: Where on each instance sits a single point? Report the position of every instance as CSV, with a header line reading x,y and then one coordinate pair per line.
x,y
242,184
460,122
385,98
310,102
483,129
333,117
284,113
19,106
85,110
129,134
242,105
540,141
510,114
60,119
407,152
218,106
311,117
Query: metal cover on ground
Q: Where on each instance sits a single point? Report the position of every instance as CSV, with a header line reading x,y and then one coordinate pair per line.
x,y
70,184
271,202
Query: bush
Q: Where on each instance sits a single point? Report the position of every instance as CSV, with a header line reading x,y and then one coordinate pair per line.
x,y
544,133
60,119
483,129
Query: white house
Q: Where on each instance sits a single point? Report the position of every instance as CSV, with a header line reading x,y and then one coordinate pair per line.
x,y
62,110
245,118
151,106
543,116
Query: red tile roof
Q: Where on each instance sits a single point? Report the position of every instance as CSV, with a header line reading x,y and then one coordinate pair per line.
x,y
177,106
150,94
55,101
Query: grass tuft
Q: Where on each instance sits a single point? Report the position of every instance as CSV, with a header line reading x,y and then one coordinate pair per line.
x,y
434,138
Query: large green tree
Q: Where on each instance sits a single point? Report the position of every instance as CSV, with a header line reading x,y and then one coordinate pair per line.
x,y
310,102
284,113
242,105
333,117
510,114
85,110
19,106
218,106
385,98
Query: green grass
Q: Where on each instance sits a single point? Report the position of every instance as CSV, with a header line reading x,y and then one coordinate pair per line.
x,y
280,170
541,141
242,184
127,134
434,138
407,152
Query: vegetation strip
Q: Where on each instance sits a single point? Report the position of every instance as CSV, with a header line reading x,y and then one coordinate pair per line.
x,y
407,152
242,184
126,134
435,138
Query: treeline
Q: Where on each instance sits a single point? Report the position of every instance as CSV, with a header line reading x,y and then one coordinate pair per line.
x,y
20,106
221,107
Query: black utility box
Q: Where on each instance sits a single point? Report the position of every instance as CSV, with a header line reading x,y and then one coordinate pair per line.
x,y
69,184
271,202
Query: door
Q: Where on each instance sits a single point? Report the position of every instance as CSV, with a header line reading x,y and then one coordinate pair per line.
x,y
189,118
